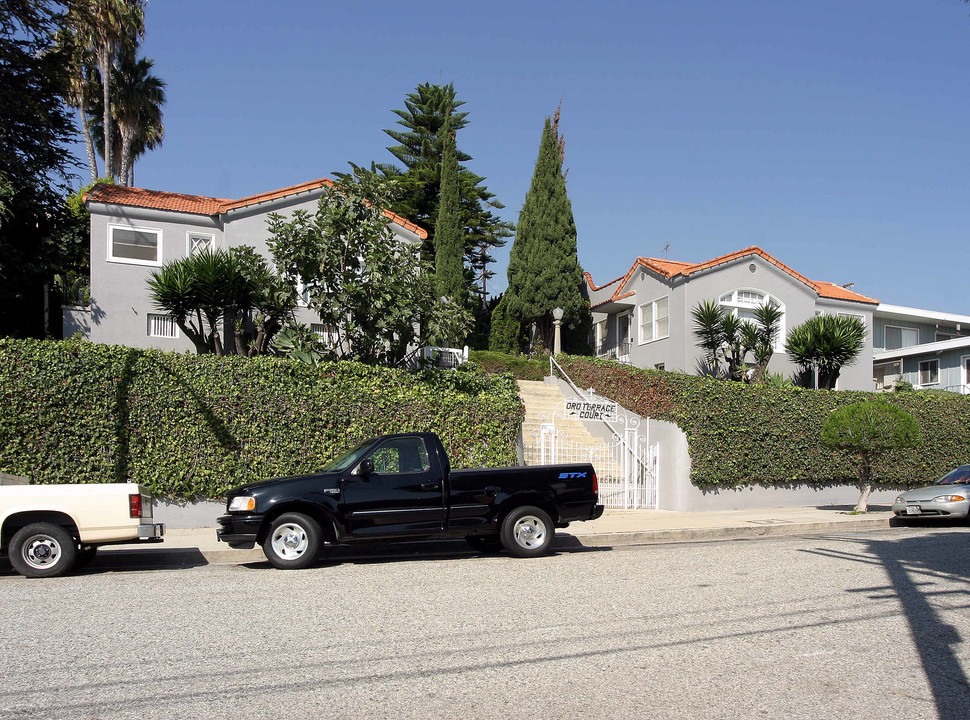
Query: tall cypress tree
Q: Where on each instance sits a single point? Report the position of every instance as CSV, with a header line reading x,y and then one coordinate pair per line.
x,y
544,271
449,269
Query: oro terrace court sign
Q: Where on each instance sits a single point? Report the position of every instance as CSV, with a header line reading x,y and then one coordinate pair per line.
x,y
591,409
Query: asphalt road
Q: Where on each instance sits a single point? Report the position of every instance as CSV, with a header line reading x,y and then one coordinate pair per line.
x,y
868,625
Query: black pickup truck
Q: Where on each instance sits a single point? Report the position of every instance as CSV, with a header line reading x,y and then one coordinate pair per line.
x,y
399,488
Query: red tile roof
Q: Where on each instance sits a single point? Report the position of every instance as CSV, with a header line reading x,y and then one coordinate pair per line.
x,y
201,205
672,268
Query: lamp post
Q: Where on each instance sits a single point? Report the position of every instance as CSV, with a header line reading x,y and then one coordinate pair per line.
x,y
557,321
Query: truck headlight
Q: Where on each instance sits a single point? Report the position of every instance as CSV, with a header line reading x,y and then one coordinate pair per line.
x,y
242,503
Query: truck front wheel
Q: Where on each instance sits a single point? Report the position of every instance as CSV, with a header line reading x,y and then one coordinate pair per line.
x,y
293,542
528,532
42,550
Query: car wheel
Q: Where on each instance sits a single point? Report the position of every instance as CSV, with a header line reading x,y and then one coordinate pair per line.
x,y
42,550
85,557
485,543
528,532
293,542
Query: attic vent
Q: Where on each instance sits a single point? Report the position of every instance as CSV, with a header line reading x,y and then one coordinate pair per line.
x,y
752,267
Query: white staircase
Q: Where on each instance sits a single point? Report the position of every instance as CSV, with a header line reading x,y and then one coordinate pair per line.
x,y
544,402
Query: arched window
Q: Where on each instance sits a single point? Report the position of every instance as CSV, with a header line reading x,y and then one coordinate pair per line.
x,y
744,301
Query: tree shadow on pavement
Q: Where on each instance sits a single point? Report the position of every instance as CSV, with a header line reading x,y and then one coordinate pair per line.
x,y
913,565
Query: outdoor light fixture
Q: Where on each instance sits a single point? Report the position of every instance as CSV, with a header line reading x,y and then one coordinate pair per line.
x,y
557,321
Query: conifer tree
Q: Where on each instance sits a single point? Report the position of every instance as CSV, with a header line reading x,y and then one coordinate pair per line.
x,y
420,150
544,271
449,269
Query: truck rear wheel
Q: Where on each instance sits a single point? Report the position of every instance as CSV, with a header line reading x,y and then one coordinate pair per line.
x,y
528,532
42,550
293,542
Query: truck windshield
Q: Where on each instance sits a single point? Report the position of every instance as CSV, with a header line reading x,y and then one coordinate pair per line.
x,y
342,462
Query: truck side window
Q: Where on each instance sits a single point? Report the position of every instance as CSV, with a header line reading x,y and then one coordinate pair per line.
x,y
401,455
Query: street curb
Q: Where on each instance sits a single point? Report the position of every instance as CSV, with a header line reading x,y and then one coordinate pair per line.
x,y
773,528
777,529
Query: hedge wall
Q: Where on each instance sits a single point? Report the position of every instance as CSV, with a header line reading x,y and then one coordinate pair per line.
x,y
759,435
192,426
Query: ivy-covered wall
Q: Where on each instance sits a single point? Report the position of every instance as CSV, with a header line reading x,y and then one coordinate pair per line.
x,y
759,435
190,426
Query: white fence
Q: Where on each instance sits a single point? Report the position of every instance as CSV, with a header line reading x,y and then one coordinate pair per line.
x,y
626,466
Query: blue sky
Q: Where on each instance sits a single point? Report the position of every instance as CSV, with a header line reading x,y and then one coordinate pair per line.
x,y
833,134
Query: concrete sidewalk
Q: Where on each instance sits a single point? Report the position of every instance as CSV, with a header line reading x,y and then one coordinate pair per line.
x,y
616,527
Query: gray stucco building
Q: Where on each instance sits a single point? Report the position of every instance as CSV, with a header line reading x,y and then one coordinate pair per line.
x,y
135,231
644,318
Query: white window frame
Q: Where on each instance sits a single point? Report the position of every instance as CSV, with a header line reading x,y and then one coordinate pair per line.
x,y
919,372
654,321
190,235
599,334
134,261
325,332
885,341
965,374
156,320
739,301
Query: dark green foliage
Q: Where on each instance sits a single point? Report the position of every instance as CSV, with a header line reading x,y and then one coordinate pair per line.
x,y
865,432
519,366
449,243
420,150
544,271
35,163
762,435
825,344
194,426
505,333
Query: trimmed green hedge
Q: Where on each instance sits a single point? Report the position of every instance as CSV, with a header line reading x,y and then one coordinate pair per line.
x,y
191,426
759,435
521,367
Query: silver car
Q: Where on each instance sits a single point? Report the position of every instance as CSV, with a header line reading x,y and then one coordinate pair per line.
x,y
948,497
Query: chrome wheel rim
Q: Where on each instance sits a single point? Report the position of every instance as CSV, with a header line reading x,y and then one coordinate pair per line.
x,y
290,541
41,551
529,532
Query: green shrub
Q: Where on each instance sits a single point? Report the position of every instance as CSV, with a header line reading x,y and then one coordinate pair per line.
x,y
519,366
194,426
762,435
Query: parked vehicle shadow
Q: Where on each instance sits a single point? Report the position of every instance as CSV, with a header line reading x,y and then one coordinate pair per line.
x,y
132,560
425,550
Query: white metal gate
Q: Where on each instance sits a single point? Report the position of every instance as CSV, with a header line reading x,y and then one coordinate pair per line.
x,y
626,465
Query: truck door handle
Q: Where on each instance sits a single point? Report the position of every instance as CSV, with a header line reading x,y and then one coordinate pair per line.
x,y
431,485
491,490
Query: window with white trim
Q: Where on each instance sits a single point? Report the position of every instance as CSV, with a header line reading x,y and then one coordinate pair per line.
x,y
654,320
139,246
744,301
599,336
162,326
929,372
201,242
900,337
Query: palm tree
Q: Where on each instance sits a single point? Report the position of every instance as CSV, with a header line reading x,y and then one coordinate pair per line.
x,y
81,87
825,344
136,111
724,335
103,27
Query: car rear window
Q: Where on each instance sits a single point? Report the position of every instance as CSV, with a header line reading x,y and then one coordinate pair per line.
x,y
956,477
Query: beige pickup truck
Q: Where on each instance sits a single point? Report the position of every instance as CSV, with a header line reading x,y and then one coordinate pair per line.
x,y
48,530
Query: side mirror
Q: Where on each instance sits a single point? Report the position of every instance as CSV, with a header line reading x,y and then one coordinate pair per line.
x,y
365,468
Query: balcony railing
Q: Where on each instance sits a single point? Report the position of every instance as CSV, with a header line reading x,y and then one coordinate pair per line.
x,y
614,351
